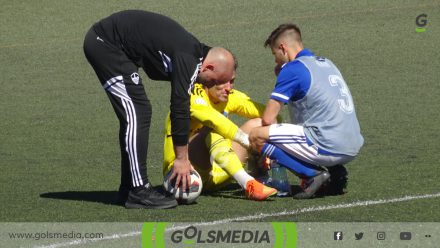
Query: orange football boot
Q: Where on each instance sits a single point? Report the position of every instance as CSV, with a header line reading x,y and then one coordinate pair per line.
x,y
258,191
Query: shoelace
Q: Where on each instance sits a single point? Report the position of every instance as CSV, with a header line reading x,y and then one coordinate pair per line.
x,y
154,192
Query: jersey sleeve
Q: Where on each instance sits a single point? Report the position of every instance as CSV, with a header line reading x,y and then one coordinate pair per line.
x,y
241,104
208,116
292,83
184,72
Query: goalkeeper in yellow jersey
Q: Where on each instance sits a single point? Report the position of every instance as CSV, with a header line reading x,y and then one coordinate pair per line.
x,y
212,151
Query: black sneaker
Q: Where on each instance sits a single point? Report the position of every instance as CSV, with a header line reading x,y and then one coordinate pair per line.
x,y
148,197
311,185
337,185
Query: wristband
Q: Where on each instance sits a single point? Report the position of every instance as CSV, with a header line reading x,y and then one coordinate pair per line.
x,y
242,138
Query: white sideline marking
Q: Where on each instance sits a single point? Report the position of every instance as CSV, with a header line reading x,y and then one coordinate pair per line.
x,y
252,217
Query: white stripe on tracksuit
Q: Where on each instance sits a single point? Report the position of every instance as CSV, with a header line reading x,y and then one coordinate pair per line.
x,y
287,139
116,87
166,62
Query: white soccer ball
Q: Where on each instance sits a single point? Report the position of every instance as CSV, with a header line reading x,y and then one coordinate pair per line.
x,y
191,194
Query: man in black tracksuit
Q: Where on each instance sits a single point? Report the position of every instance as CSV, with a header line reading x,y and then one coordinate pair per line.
x,y
116,47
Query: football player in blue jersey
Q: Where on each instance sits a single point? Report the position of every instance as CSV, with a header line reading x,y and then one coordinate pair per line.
x,y
323,133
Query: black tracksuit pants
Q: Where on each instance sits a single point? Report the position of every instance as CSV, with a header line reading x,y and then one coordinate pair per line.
x,y
120,79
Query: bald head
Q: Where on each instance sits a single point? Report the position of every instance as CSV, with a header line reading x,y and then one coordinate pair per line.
x,y
218,67
222,59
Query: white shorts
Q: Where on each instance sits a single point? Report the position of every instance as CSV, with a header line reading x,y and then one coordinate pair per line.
x,y
291,139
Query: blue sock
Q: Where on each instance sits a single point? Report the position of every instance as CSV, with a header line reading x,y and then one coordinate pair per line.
x,y
290,162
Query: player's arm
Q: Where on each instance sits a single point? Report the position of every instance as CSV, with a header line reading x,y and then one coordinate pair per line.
x,y
241,104
184,67
287,87
211,118
259,135
273,108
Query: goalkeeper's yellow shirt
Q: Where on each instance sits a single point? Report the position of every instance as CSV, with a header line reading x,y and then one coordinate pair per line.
x,y
215,116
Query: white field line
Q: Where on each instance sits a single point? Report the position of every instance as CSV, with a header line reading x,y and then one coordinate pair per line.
x,y
251,217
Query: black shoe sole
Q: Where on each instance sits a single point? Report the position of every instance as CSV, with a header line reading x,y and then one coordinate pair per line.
x,y
129,205
311,190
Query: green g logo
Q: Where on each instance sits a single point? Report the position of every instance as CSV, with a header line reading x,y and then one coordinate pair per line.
x,y
421,22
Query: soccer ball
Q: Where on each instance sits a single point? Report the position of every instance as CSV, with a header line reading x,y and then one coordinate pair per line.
x,y
190,195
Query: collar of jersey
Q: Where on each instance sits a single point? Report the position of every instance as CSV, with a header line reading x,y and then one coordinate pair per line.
x,y
304,52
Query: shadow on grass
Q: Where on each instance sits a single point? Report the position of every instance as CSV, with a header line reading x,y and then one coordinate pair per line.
x,y
230,191
234,191
105,197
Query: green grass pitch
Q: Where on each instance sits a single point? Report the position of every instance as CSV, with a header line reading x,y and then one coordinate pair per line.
x,y
58,141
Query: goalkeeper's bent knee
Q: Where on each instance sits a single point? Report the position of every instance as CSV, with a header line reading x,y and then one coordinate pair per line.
x,y
222,155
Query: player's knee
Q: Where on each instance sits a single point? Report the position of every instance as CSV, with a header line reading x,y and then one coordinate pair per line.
x,y
220,155
248,125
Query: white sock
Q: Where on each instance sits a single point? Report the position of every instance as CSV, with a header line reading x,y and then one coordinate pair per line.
x,y
242,177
